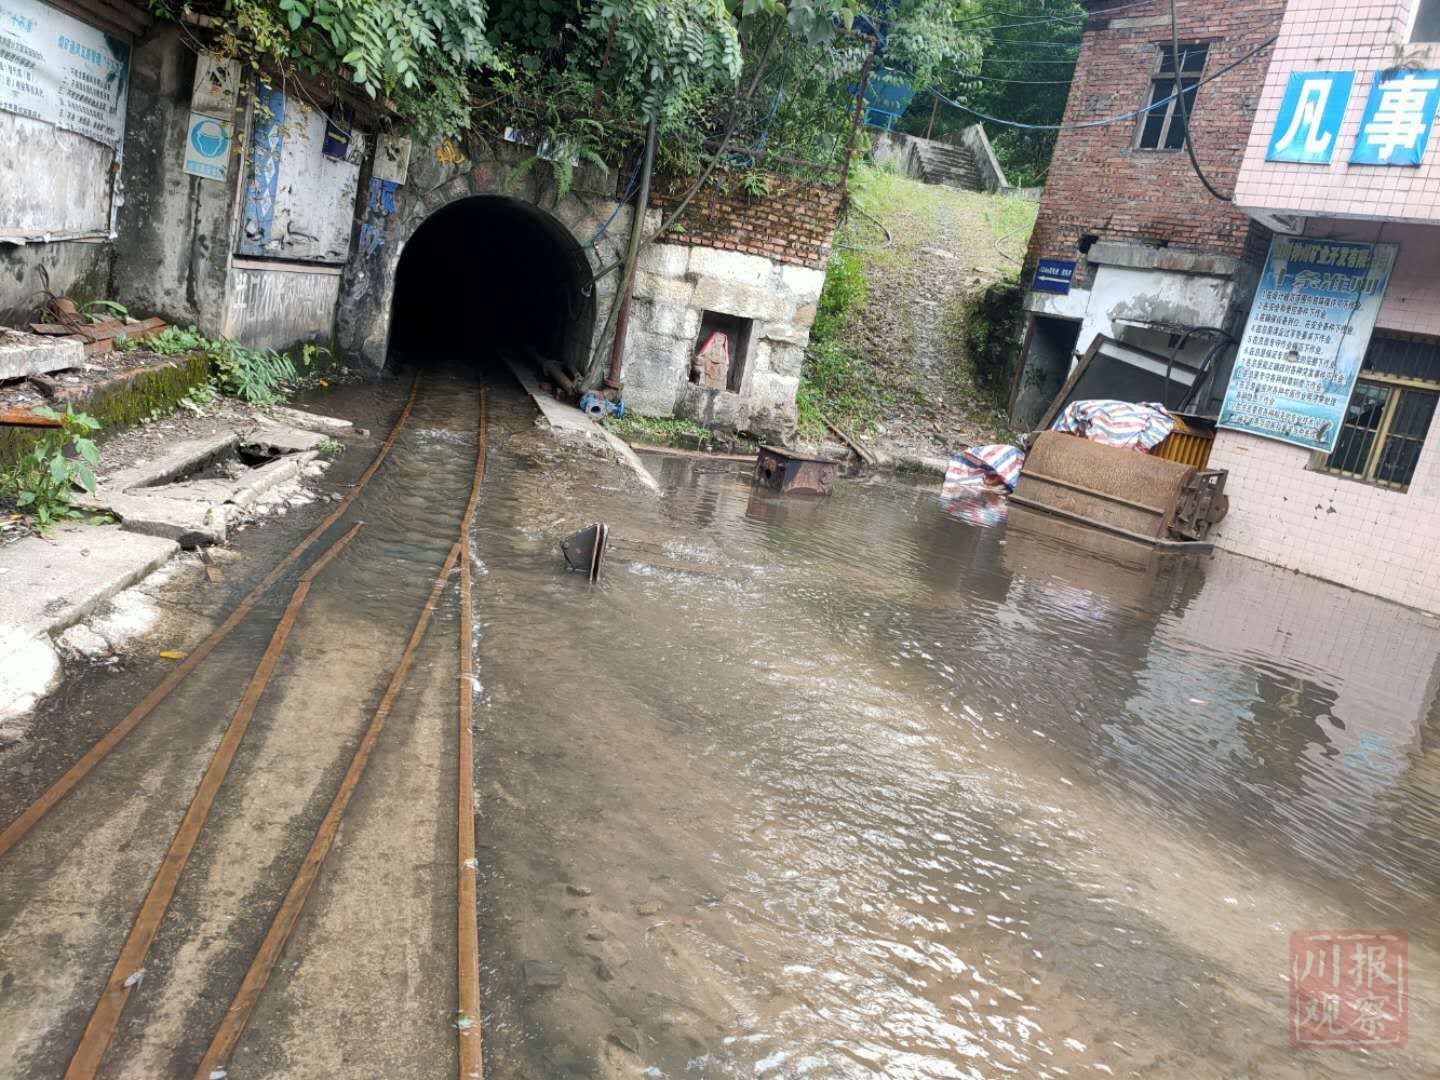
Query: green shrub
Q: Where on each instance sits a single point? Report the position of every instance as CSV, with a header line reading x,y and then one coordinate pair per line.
x,y
43,479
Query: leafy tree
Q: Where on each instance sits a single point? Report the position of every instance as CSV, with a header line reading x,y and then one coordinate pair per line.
x,y
1024,75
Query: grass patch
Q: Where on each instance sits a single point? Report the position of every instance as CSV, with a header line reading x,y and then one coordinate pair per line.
x,y
655,430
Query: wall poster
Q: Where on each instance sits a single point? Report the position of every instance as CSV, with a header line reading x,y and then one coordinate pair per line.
x,y
1309,327
59,70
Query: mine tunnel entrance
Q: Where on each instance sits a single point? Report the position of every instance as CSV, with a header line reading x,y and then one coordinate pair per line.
x,y
486,276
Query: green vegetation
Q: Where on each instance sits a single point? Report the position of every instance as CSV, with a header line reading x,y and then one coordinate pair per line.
x,y
43,479
836,381
331,448
1023,77
255,376
656,430
868,365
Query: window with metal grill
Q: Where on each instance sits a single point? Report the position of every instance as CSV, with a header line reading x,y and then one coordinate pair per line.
x,y
1390,412
1163,127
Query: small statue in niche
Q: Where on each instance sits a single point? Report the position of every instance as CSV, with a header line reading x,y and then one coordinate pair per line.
x,y
711,365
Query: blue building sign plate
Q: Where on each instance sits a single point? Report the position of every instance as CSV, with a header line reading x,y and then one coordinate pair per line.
x,y
1398,116
1054,275
1311,112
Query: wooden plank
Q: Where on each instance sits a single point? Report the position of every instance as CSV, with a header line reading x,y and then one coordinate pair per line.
x,y
25,418
51,328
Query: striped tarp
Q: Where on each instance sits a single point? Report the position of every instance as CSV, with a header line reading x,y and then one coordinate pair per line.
x,y
1128,425
996,463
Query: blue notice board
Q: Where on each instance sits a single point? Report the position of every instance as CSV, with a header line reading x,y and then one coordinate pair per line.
x,y
1309,327
1054,275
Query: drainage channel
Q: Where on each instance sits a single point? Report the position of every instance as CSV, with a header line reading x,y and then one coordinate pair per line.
x,y
245,833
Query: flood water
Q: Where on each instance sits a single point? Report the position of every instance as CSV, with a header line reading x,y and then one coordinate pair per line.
x,y
869,786
866,786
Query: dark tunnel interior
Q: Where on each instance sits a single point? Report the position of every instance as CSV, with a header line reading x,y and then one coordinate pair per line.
x,y
488,275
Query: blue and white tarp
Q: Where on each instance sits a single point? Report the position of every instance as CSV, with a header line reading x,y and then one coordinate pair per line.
x,y
1309,327
996,464
1126,425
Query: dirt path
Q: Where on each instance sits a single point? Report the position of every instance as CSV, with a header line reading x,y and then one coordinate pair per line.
x,y
946,246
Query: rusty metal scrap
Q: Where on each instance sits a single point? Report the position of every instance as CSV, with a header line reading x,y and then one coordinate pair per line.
x,y
786,471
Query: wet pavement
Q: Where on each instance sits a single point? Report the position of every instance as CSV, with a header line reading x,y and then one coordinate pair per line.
x,y
855,787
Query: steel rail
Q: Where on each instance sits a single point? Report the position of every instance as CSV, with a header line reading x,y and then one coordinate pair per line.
x,y
36,811
100,1030
467,957
242,1006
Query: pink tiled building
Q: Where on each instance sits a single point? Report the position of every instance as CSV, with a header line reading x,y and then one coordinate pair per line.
x,y
1366,514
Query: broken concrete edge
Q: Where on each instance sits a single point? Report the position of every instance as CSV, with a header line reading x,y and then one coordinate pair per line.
x,y
189,455
561,417
38,604
325,425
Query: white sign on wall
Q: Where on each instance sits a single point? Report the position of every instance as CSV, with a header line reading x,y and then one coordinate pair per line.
x,y
207,147
392,158
59,70
217,86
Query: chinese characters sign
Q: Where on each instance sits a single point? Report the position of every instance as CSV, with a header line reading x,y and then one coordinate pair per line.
x,y
1308,124
1348,988
1397,120
1309,327
1054,275
59,70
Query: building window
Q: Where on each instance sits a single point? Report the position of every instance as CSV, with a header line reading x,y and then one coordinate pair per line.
x,y
1427,21
1389,413
1163,128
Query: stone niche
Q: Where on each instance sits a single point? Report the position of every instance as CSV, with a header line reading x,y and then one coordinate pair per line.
x,y
682,295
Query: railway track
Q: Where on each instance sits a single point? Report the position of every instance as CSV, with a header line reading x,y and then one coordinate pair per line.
x,y
95,1052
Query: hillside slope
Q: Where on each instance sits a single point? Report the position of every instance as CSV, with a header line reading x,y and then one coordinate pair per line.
x,y
899,352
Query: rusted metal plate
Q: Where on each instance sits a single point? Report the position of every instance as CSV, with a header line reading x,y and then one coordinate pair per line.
x,y
786,471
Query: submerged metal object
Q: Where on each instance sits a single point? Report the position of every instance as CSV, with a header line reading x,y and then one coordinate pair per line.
x,y
1140,496
585,550
786,471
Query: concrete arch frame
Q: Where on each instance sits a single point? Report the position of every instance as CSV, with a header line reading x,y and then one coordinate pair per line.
x,y
392,215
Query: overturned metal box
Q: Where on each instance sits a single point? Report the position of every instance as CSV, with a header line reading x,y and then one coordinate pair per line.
x,y
785,471
584,551
1163,503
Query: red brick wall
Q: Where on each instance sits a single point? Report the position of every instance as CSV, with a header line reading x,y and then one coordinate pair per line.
x,y
793,224
1098,184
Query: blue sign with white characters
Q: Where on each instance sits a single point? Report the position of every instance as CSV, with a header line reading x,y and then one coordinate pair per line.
x,y
1308,124
1398,117
1053,275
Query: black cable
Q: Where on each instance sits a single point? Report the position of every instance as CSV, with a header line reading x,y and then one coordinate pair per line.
x,y
1185,109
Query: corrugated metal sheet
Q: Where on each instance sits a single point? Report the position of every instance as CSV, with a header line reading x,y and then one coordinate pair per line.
x,y
278,309
1187,444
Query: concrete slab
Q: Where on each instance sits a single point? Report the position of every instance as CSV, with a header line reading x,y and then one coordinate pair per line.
x,y
184,522
51,582
261,480
329,425
22,355
280,439
562,417
187,455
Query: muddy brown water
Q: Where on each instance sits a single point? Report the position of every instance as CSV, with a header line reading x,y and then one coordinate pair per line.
x,y
855,787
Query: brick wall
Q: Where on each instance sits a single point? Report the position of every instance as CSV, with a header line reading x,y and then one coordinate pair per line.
x,y
1100,184
794,224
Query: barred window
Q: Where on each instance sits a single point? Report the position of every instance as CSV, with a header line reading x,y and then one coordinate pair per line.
x,y
1390,412
1163,128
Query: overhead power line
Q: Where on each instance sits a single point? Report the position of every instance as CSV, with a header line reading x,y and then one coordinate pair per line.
x,y
1122,117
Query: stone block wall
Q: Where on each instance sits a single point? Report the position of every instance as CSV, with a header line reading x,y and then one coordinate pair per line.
x,y
674,288
793,224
